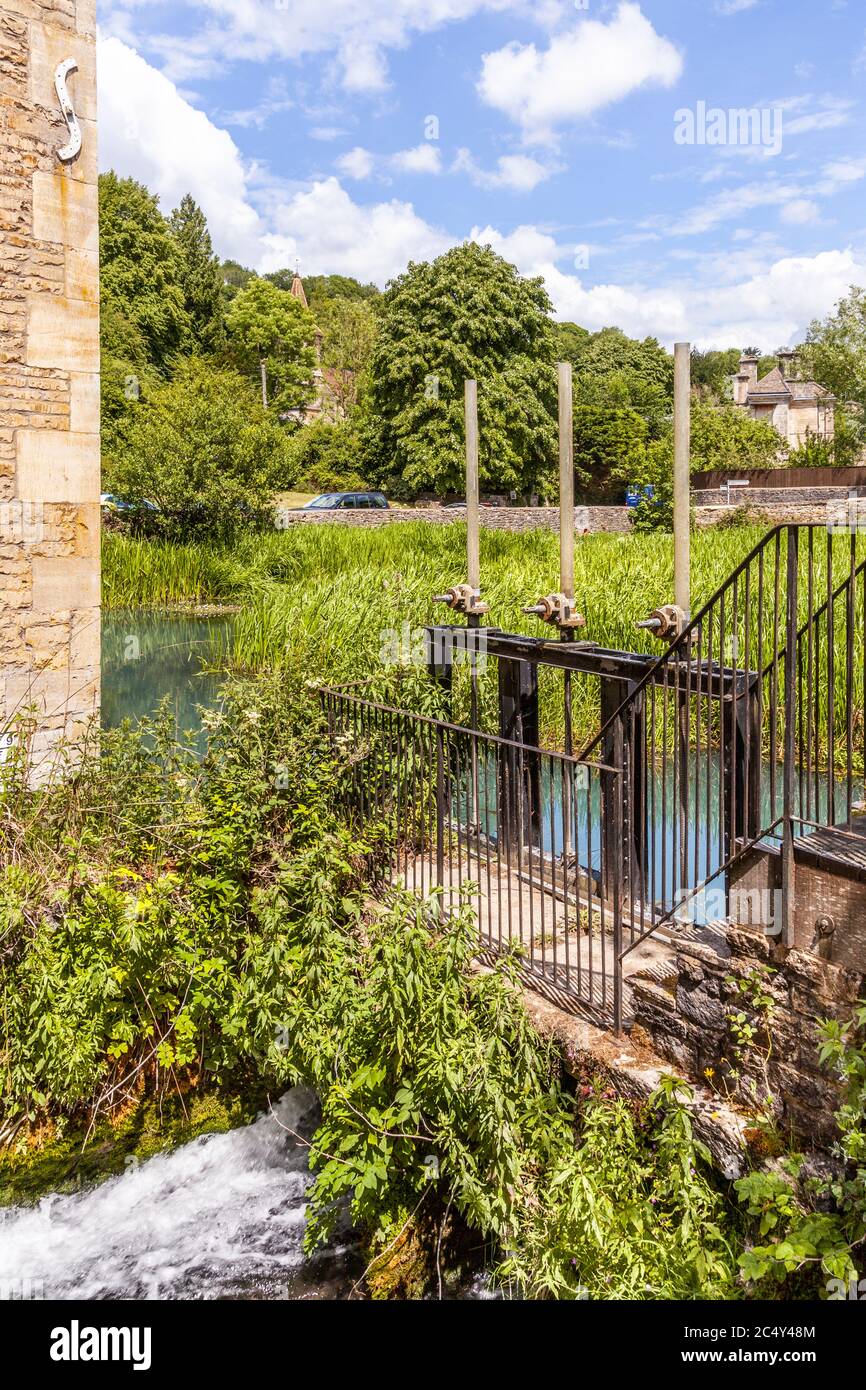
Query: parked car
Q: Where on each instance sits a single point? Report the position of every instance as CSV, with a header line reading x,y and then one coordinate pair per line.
x,y
339,501
111,503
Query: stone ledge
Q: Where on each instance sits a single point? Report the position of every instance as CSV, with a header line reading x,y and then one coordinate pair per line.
x,y
635,1071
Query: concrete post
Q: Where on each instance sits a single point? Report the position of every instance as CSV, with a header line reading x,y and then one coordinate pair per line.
x,y
682,456
473,563
566,482
49,371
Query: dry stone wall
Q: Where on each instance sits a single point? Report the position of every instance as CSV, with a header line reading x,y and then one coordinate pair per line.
x,y
491,518
49,373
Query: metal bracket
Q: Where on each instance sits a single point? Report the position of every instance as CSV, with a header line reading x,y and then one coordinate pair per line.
x,y
462,598
558,609
667,623
67,152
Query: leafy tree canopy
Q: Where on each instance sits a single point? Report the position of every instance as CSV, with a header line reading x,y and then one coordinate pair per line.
x,y
349,329
610,352
269,328
319,288
204,450
467,314
328,457
142,269
835,349
201,276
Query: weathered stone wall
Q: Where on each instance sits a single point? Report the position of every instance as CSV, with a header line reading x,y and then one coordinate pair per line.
x,y
687,1018
775,496
767,514
49,373
491,518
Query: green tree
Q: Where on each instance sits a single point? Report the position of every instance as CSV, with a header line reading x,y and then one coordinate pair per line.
x,y
142,269
726,437
610,352
271,337
201,278
712,370
623,394
609,450
126,373
235,276
204,451
349,337
467,314
835,355
329,458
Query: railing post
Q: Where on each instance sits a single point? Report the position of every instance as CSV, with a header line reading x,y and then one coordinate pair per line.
x,y
519,788
616,876
790,741
440,806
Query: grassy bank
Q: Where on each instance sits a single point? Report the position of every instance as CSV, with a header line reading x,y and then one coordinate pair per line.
x,y
335,602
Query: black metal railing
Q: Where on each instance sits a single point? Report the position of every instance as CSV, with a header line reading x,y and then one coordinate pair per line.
x,y
528,829
748,731
747,736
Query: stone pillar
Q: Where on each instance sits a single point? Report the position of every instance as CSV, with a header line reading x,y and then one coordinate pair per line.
x,y
49,375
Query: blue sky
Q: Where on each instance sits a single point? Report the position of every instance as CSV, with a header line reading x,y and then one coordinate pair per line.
x,y
354,135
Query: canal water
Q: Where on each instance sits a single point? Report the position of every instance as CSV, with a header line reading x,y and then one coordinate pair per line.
x,y
148,657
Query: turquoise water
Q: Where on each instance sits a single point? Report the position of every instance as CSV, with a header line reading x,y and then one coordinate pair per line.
x,y
147,657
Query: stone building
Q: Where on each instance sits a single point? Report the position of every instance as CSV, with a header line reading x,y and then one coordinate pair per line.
x,y
49,371
331,385
796,409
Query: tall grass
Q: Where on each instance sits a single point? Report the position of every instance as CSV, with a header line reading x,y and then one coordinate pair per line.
x,y
332,600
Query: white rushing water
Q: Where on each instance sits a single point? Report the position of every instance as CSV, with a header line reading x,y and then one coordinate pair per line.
x,y
221,1217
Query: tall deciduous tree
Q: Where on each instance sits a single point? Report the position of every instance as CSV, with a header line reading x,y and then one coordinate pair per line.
x,y
349,338
202,449
201,276
272,336
467,314
141,268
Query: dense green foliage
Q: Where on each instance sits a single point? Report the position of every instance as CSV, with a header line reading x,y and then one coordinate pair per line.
x,y
201,276
205,452
141,269
466,314
173,924
817,1222
272,336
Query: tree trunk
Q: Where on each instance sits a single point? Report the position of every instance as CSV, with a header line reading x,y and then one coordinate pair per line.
x,y
264,368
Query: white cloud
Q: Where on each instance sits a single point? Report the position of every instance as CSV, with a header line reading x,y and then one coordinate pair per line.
x,y
517,172
582,71
151,132
362,164
773,304
356,164
842,173
148,130
423,159
831,113
326,232
275,101
729,205
728,7
358,33
800,211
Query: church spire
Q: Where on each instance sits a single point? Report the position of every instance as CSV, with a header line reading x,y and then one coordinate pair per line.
x,y
297,290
